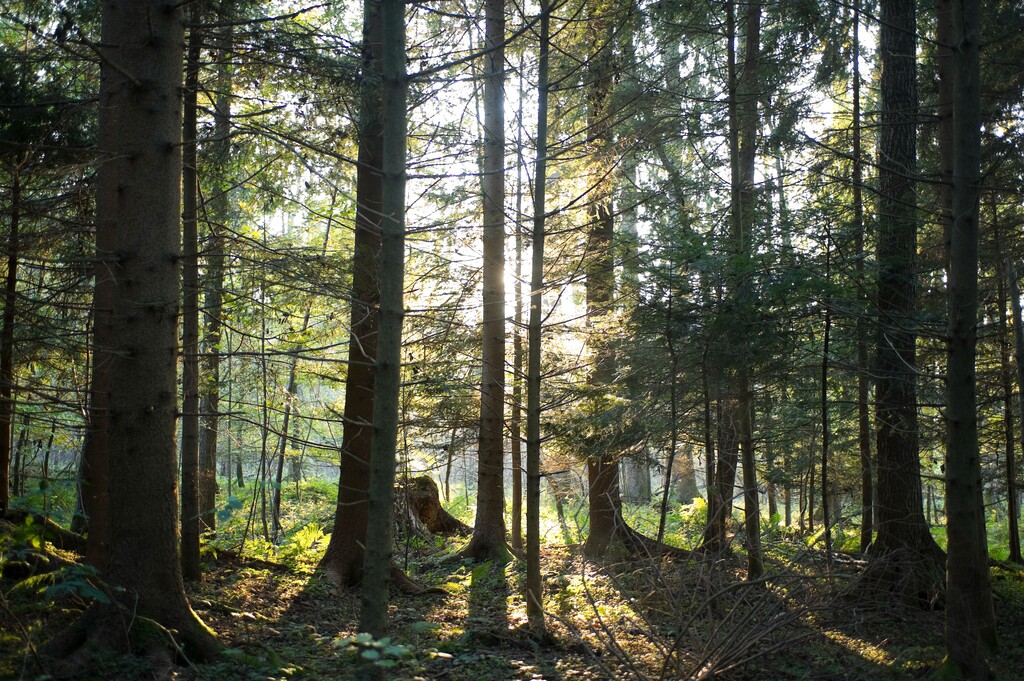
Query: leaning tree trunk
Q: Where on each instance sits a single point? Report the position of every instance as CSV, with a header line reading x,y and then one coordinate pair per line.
x,y
970,619
488,539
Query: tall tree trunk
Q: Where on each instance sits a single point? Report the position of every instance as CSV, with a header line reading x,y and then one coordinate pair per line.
x,y
970,619
190,508
18,465
534,587
343,560
905,555
826,433
710,488
282,442
743,124
673,414
388,367
1018,336
213,285
863,382
1009,441
488,540
7,343
140,138
95,465
516,416
602,466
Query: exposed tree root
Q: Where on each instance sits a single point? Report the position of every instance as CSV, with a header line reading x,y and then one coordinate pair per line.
x,y
352,578
625,539
106,631
481,552
916,578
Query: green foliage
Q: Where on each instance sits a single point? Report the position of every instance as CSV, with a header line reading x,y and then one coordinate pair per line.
x,y
299,543
379,652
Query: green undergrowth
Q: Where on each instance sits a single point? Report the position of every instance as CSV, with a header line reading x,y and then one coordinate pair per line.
x,y
629,617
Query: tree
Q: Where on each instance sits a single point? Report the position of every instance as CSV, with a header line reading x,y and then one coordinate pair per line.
x,y
534,586
488,539
970,620
388,366
904,552
190,508
343,560
140,192
602,464
743,117
7,338
213,283
863,382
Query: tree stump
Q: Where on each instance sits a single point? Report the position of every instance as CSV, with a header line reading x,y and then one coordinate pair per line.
x,y
423,506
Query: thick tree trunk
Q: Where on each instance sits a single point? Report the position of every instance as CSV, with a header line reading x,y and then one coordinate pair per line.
x,y
343,560
905,555
388,367
602,467
970,619
1018,335
140,138
488,539
685,477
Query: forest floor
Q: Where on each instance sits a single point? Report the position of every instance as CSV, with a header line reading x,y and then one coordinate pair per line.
x,y
634,618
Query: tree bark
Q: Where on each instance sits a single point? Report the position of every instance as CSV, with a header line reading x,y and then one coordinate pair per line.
x,y
140,138
343,560
7,344
518,351
213,285
863,382
602,466
488,539
1006,381
534,586
743,124
905,555
388,367
190,508
970,619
